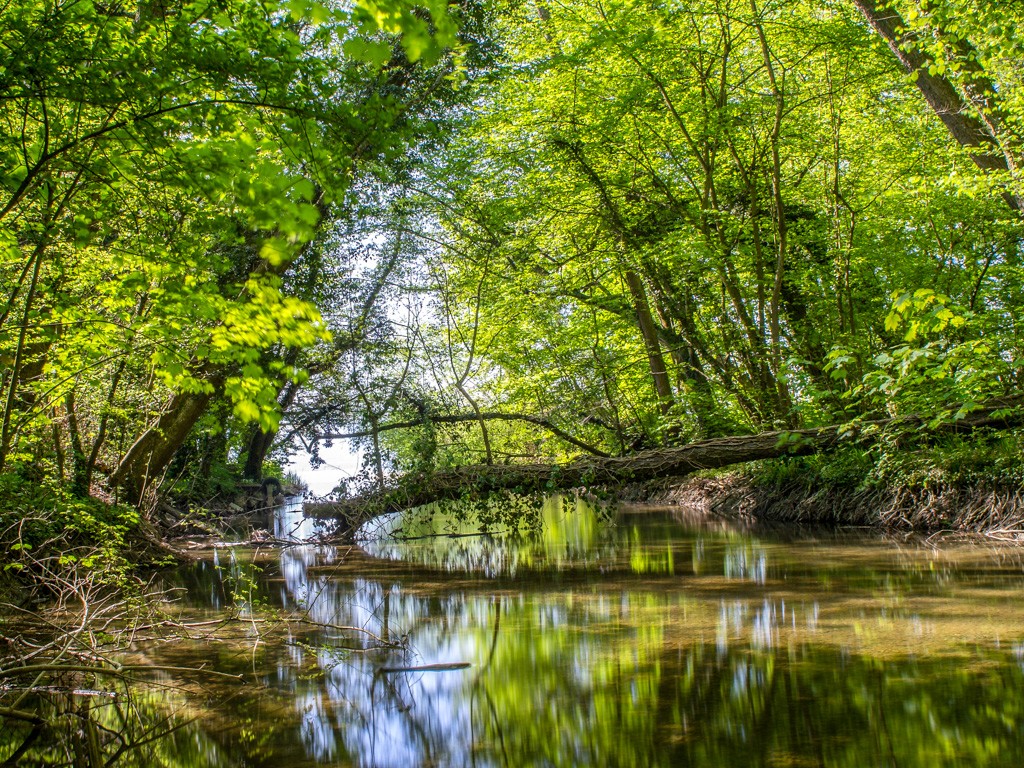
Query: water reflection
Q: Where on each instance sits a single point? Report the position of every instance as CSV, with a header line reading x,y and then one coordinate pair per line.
x,y
559,534
643,643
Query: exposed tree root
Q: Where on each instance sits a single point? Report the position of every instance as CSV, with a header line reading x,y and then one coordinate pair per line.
x,y
990,509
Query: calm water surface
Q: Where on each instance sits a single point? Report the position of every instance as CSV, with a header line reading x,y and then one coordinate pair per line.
x,y
640,640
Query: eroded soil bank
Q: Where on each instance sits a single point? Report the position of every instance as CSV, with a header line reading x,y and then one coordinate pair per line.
x,y
986,508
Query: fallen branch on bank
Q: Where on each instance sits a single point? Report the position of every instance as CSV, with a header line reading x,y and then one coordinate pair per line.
x,y
477,481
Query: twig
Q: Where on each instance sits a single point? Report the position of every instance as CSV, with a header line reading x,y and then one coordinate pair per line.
x,y
20,714
426,668
118,671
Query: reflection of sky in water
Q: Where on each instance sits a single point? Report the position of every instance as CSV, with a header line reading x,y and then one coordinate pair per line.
x,y
741,563
291,525
653,636
383,719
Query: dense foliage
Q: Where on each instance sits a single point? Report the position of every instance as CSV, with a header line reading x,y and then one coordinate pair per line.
x,y
486,233
662,222
496,232
168,177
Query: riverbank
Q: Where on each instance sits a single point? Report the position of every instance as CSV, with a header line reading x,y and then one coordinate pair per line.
x,y
962,474
981,508
966,483
971,484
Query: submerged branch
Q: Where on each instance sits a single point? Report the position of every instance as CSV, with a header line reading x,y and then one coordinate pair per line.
x,y
17,714
445,667
118,671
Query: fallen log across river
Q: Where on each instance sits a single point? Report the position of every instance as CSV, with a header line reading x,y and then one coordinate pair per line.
x,y
480,480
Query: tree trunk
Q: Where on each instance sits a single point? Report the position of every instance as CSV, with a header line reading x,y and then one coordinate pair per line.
x,y
649,332
149,456
613,472
79,469
259,447
261,442
952,109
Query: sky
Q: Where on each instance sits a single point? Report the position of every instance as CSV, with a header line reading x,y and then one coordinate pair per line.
x,y
339,462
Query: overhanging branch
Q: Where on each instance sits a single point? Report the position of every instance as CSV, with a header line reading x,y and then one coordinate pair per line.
x,y
467,417
617,471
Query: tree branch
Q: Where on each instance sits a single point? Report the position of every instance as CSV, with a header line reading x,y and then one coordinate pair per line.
x,y
464,417
942,96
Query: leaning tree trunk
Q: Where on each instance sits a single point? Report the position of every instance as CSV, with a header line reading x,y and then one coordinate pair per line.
x,y
649,333
976,129
149,456
615,472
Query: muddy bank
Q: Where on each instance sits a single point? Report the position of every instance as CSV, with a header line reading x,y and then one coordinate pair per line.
x,y
980,508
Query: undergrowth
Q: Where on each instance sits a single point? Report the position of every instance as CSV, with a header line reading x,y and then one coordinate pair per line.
x,y
983,458
48,533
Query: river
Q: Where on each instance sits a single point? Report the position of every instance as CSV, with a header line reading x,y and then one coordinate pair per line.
x,y
629,637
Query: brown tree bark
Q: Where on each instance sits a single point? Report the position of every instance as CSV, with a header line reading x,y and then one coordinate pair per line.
x,y
147,458
614,472
637,292
652,343
974,123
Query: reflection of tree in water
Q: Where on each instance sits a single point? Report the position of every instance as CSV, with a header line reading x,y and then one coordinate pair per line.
x,y
672,704
680,648
825,708
691,672
576,678
350,710
584,677
569,533
123,725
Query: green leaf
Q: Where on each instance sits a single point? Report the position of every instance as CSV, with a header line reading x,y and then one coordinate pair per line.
x,y
276,251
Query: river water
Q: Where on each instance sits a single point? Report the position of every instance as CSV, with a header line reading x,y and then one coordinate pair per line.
x,y
629,637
